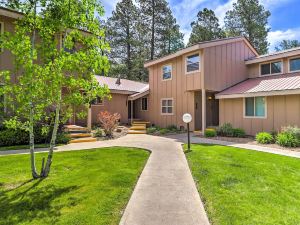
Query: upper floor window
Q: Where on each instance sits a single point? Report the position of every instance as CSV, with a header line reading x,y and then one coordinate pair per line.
x,y
144,104
167,106
255,107
167,72
97,101
271,68
294,64
192,63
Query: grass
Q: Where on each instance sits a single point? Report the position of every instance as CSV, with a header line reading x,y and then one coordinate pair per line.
x,y
18,147
246,187
84,187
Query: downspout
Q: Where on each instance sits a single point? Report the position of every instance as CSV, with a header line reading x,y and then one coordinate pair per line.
x,y
131,106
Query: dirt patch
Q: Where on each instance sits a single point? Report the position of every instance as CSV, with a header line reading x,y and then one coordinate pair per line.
x,y
119,132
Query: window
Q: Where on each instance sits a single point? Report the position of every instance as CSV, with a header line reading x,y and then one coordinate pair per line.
x,y
294,65
271,68
65,48
144,104
167,106
167,72
192,63
255,107
97,101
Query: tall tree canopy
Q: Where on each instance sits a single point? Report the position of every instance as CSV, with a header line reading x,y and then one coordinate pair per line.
x,y
250,19
57,49
206,27
287,44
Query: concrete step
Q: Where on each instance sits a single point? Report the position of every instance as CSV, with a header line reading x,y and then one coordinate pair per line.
x,y
137,128
137,132
75,128
82,140
80,135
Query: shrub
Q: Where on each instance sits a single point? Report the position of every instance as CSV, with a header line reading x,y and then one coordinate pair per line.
x,y
108,121
293,130
238,132
264,138
210,133
225,130
163,131
172,128
151,130
287,139
63,138
98,132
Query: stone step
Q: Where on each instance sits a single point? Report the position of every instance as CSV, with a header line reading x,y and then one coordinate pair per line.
x,y
80,135
137,132
137,128
75,128
82,140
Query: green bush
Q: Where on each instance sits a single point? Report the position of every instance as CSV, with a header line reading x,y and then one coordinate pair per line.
x,y
163,131
63,138
293,130
210,133
151,130
172,128
225,130
264,138
99,132
287,139
238,132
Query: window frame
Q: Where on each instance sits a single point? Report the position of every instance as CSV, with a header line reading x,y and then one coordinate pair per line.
x,y
142,104
97,103
254,116
162,72
161,106
289,67
186,57
271,74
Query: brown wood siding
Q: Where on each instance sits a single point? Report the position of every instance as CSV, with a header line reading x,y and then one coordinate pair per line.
x,y
224,65
117,104
281,111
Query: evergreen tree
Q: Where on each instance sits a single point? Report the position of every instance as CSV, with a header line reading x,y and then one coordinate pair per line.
x,y
287,44
250,19
123,38
206,27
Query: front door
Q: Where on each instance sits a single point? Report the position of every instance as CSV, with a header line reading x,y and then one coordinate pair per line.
x,y
129,109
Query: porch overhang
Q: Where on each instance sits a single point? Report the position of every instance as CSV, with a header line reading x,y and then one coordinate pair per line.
x,y
138,95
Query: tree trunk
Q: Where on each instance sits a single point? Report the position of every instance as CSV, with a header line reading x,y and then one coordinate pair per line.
x,y
152,30
46,170
31,143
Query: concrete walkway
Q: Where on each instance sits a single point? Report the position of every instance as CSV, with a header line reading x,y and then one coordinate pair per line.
x,y
165,193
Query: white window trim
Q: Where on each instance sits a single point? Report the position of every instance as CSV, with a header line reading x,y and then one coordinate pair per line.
x,y
295,71
162,72
255,117
185,63
142,104
161,105
271,74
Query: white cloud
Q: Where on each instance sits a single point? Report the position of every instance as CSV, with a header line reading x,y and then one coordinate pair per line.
x,y
275,37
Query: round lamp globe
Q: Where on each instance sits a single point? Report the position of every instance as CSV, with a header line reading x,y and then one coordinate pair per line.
x,y
187,118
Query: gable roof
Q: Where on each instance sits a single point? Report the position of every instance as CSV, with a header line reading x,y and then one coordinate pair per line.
x,y
275,55
199,46
264,86
126,86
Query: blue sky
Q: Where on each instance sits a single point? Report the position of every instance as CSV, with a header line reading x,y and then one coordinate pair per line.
x,y
284,20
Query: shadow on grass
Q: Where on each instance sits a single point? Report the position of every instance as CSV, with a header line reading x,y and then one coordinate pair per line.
x,y
18,206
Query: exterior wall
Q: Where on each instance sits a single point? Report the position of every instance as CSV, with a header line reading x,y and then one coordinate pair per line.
x,y
281,111
139,113
224,65
179,88
117,104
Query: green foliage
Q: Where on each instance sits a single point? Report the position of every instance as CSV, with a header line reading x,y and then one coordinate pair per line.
x,y
210,132
172,128
99,132
225,130
206,27
293,130
287,44
163,131
238,132
264,138
63,138
287,140
152,130
250,19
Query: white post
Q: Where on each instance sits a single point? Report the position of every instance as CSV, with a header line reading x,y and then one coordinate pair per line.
x,y
131,112
89,118
203,102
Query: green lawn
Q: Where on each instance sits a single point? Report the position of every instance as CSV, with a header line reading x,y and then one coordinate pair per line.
x,y
84,187
18,147
246,187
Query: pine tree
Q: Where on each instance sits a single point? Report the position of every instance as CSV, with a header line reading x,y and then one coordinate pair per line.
x,y
123,38
206,27
287,44
250,19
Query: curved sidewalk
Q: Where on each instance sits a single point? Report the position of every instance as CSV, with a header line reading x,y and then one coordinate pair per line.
x,y
165,193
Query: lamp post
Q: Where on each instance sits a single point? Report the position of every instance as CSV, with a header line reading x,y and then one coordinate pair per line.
x,y
187,118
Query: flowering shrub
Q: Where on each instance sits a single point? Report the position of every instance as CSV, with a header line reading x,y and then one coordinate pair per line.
x,y
108,121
